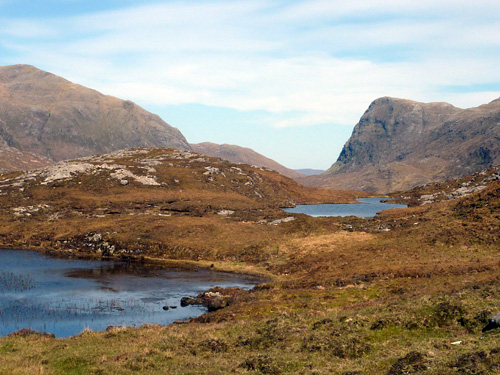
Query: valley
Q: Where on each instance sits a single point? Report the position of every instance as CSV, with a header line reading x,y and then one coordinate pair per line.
x,y
408,291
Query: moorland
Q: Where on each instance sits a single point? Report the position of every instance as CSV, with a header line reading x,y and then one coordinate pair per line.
x,y
407,292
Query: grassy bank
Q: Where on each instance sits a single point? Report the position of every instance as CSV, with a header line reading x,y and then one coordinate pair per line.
x,y
376,329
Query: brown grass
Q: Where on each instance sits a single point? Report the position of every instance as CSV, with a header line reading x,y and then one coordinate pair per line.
x,y
344,296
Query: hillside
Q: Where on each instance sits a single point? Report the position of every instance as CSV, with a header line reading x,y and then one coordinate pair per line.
x,y
399,144
238,154
150,201
54,119
11,159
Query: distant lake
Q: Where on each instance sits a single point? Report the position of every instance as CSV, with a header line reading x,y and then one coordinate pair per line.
x,y
65,296
368,207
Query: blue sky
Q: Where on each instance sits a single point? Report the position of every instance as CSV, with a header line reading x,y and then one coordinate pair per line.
x,y
289,79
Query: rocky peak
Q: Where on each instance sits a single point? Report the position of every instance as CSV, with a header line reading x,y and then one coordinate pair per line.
x,y
399,144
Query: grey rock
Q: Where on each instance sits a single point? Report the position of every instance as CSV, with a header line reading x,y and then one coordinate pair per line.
x,y
493,323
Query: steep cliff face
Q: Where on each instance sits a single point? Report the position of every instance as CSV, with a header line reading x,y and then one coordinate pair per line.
x,y
399,144
237,154
46,115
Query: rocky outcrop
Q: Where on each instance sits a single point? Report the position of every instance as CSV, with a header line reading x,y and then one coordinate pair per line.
x,y
51,119
237,154
213,299
399,144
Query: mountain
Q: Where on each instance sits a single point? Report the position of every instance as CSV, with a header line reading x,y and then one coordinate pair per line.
x,y
310,172
399,144
54,119
237,154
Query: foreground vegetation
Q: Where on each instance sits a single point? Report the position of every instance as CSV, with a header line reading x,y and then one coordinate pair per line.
x,y
408,292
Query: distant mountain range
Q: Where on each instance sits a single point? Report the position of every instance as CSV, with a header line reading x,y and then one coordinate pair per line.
x,y
399,144
45,118
310,172
237,154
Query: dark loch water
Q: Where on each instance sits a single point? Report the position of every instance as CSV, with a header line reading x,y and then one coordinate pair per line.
x,y
368,207
65,296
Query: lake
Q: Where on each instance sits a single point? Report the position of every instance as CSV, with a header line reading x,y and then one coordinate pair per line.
x,y
368,207
65,296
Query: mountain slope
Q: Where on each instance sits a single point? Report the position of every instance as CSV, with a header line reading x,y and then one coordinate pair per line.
x,y
12,159
399,144
237,154
49,116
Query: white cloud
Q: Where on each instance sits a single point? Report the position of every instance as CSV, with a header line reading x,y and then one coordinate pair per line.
x,y
20,28
326,9
307,63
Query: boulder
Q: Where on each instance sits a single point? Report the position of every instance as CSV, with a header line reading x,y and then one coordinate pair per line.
x,y
493,322
213,299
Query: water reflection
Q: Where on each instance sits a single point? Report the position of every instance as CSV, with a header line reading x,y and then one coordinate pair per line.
x,y
65,296
367,208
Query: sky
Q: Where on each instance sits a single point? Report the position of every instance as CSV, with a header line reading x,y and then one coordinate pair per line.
x,y
289,79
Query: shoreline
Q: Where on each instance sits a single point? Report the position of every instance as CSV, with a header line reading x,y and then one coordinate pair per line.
x,y
234,268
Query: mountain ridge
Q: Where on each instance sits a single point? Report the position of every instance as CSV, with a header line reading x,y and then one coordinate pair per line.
x,y
245,155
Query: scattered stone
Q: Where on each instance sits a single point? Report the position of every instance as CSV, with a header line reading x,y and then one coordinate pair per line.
x,y
122,174
28,210
225,212
465,191
64,170
166,308
96,242
427,197
97,237
211,170
199,160
279,221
